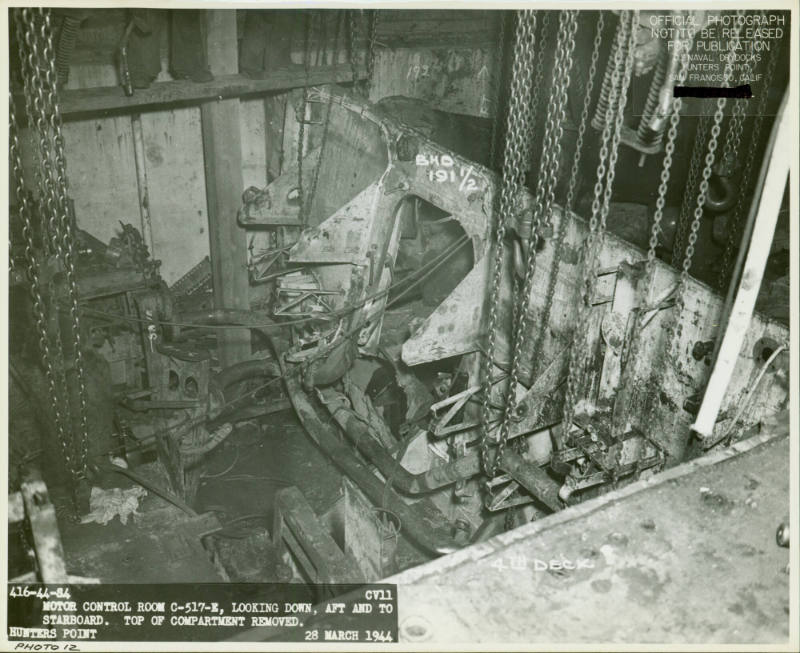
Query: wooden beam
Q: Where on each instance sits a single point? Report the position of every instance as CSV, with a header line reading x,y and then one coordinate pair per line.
x,y
78,102
222,151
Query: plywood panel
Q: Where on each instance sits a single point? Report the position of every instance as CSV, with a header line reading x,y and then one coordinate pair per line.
x,y
176,184
254,144
102,174
453,79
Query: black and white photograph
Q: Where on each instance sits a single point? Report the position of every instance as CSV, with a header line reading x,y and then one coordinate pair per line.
x,y
430,326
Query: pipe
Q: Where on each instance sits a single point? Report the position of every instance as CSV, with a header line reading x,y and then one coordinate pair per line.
x,y
533,478
141,182
763,230
743,405
245,370
422,521
252,411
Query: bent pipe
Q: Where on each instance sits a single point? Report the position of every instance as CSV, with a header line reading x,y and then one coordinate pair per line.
x,y
390,468
245,370
237,409
422,522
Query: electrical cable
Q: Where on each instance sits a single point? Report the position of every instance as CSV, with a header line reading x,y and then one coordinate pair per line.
x,y
745,404
434,265
342,312
227,469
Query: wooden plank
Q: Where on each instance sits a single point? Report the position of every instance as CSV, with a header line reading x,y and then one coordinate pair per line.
x,y
254,142
454,78
275,110
110,98
222,148
176,188
437,27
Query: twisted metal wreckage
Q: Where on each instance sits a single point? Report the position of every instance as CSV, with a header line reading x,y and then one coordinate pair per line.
x,y
575,360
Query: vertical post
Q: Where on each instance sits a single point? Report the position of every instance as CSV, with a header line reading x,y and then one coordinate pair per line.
x,y
222,150
141,182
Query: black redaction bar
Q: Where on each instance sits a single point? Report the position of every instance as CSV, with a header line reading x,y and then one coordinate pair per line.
x,y
737,92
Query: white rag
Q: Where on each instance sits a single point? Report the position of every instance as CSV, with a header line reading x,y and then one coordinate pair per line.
x,y
104,505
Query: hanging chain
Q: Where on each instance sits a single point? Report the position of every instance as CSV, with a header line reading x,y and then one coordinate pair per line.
x,y
301,132
32,68
543,204
616,99
719,114
353,41
372,40
497,122
548,175
516,131
587,100
730,150
532,107
570,196
40,81
67,236
692,180
650,265
673,326
33,273
734,226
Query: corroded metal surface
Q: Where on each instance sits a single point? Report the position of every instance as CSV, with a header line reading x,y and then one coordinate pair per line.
x,y
688,556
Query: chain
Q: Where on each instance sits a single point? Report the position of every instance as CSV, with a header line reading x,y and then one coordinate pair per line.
x,y
532,107
33,270
548,173
733,138
30,57
570,197
614,115
512,179
352,41
747,171
673,326
700,141
650,266
67,238
303,207
587,100
666,167
373,35
529,121
719,114
40,75
499,75
730,151
545,192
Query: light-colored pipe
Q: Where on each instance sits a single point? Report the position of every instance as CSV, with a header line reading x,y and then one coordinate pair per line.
x,y
750,283
141,182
